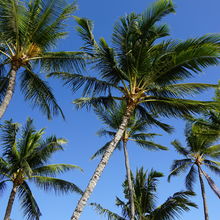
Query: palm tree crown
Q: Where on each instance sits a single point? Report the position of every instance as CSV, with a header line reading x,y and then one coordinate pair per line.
x,y
29,32
145,188
135,130
201,151
24,158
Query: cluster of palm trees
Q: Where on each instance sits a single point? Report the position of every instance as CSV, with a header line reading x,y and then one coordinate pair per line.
x,y
139,78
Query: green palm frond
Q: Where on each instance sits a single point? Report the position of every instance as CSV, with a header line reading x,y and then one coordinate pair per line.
x,y
85,29
46,148
178,167
59,186
174,206
76,81
177,107
150,145
179,148
191,178
105,212
87,102
9,132
213,166
54,169
66,60
45,21
28,203
39,93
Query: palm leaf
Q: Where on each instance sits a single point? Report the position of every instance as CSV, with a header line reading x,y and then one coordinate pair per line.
x,y
28,202
174,206
105,212
57,185
54,169
39,93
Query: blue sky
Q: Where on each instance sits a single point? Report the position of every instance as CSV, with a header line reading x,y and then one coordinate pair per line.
x,y
192,19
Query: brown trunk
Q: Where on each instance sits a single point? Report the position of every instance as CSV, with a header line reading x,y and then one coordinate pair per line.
x,y
205,206
212,184
10,202
93,181
130,185
9,91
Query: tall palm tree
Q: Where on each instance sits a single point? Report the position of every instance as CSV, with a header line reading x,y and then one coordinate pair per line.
x,y
135,131
29,30
24,159
201,151
145,188
142,70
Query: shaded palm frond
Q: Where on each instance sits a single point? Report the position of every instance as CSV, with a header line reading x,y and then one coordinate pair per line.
x,y
59,186
105,212
28,203
39,93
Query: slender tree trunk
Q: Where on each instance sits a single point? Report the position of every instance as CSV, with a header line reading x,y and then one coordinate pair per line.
x,y
93,181
211,184
205,206
130,185
9,91
10,202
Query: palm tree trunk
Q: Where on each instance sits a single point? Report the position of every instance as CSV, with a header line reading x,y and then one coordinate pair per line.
x,y
93,181
211,184
10,202
205,206
130,185
9,91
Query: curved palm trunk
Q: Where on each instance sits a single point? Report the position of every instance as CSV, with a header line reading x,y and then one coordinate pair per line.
x,y
10,202
93,181
211,184
205,206
130,185
9,91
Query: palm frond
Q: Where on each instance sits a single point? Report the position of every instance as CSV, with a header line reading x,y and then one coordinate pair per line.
x,y
45,21
28,202
179,166
54,169
150,145
105,101
85,31
39,93
105,212
179,148
191,178
174,206
59,186
92,86
9,132
66,60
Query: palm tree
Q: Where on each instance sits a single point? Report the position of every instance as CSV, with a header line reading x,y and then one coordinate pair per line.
x,y
142,70
145,188
24,158
135,131
200,151
29,30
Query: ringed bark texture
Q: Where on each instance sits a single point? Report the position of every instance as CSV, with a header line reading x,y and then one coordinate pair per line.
x,y
93,181
9,91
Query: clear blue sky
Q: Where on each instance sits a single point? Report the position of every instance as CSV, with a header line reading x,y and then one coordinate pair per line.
x,y
192,19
